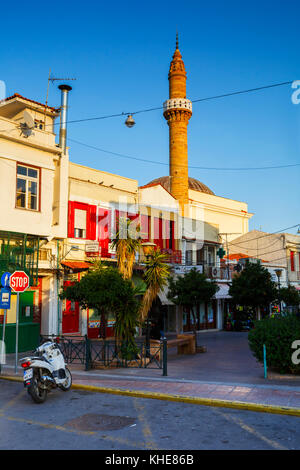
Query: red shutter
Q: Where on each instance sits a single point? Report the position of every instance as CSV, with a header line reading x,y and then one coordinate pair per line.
x,y
145,227
91,223
71,219
166,233
158,239
292,261
104,230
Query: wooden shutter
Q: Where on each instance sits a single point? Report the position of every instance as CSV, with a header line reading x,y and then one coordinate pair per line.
x,y
104,230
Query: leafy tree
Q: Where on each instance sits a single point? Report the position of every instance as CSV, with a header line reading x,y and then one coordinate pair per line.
x,y
191,290
253,287
289,295
106,290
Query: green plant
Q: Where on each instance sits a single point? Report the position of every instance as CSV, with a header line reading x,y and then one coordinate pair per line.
x,y
156,277
289,295
277,334
253,287
106,290
191,290
126,244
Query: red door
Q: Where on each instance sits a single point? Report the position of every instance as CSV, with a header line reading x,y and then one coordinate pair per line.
x,y
70,318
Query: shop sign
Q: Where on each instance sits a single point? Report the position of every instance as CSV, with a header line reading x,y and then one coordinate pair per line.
x,y
92,248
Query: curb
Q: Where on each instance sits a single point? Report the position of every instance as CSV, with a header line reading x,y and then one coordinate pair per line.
x,y
282,410
276,376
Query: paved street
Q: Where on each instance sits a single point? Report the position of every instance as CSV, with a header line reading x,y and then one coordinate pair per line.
x,y
85,420
227,371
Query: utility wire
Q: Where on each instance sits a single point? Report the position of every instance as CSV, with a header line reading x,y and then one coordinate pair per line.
x,y
240,92
121,155
265,235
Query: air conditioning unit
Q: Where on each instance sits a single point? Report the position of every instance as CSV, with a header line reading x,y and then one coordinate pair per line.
x,y
214,271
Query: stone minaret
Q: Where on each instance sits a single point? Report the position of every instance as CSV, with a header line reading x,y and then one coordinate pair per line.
x,y
177,111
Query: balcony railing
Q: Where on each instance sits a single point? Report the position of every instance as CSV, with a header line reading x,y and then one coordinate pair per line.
x,y
174,256
19,251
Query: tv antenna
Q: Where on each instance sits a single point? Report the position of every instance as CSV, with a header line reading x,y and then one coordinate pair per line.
x,y
53,79
28,124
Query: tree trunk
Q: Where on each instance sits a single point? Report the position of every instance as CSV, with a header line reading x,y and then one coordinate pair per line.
x,y
194,326
258,313
102,332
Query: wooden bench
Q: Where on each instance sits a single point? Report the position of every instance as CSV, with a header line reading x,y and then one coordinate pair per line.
x,y
186,344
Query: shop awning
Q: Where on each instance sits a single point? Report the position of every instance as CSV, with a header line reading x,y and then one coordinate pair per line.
x,y
222,292
163,297
75,265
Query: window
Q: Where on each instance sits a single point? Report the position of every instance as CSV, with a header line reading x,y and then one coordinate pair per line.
x,y
27,194
80,223
189,254
81,220
44,254
38,124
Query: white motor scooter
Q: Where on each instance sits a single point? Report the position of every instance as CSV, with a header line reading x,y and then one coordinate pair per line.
x,y
45,371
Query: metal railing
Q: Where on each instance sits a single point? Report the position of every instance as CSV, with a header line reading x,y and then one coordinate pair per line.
x,y
212,271
94,353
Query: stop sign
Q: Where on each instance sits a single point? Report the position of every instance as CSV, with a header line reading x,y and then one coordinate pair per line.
x,y
19,281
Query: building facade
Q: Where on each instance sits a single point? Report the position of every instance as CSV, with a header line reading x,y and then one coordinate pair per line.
x,y
32,170
278,250
59,216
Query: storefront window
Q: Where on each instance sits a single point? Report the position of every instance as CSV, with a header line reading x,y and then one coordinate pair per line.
x,y
210,313
94,318
202,313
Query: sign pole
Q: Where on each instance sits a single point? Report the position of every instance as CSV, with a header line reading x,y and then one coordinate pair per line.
x,y
17,333
19,282
4,324
3,339
3,332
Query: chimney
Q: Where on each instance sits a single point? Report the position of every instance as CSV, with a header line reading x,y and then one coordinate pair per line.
x,y
63,116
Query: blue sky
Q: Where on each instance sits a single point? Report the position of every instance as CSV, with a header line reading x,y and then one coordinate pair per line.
x,y
120,53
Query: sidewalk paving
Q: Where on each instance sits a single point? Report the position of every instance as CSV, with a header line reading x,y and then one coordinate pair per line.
x,y
227,375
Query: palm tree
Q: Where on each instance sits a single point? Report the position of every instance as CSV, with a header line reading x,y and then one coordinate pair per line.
x,y
156,277
126,248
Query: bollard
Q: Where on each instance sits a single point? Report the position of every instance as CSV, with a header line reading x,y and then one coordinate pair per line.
x,y
165,358
265,363
87,353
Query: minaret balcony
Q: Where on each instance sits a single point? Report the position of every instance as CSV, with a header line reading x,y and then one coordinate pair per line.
x,y
177,103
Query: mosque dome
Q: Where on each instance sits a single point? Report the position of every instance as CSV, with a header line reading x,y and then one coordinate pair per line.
x,y
194,184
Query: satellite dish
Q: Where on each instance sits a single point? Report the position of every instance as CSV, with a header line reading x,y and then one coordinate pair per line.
x,y
28,120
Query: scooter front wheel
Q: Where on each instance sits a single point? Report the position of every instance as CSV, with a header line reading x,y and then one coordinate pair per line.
x,y
35,390
68,382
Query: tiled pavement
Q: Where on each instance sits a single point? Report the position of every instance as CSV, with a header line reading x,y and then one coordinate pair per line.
x,y
227,371
277,395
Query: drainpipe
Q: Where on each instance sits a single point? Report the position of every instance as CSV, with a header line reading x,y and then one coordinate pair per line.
x,y
63,116
57,286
